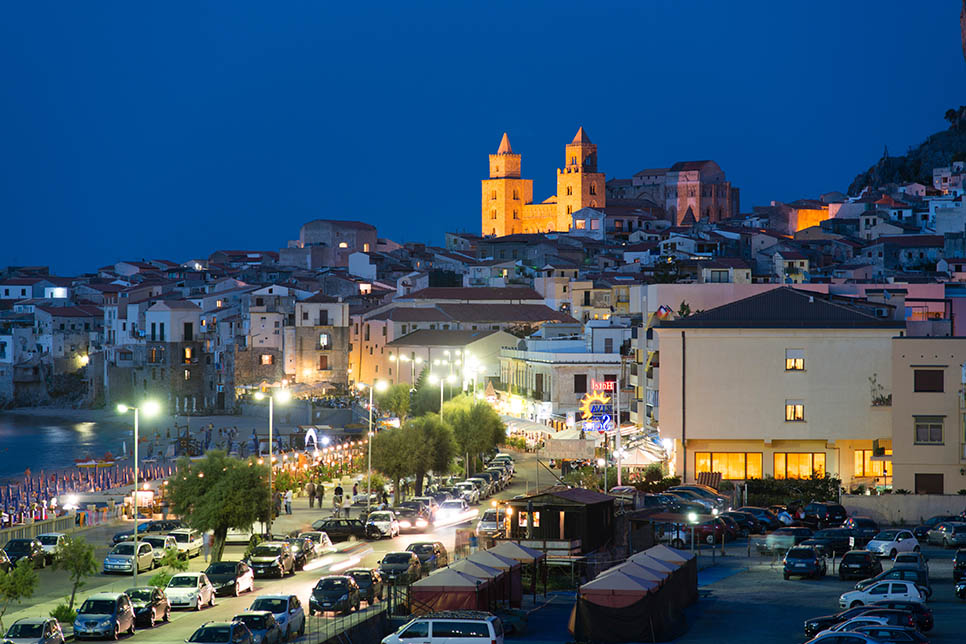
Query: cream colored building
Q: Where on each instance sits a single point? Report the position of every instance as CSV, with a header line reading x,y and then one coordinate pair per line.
x,y
777,384
929,454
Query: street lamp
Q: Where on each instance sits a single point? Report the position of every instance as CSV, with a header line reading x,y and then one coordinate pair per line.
x,y
150,408
380,385
693,519
434,379
283,396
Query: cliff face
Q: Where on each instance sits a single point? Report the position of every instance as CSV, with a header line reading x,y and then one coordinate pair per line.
x,y
937,151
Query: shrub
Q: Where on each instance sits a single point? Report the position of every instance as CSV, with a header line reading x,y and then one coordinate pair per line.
x,y
961,492
516,442
160,579
64,613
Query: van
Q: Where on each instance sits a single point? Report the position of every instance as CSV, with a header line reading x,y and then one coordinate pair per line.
x,y
450,627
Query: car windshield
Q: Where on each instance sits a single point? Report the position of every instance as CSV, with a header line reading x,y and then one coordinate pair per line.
x,y
267,551
17,545
157,542
906,558
25,630
222,568
140,594
331,584
380,516
853,557
886,535
489,516
254,622
361,577
421,548
47,540
180,537
308,535
397,558
123,549
271,604
800,553
183,581
212,634
451,505
97,607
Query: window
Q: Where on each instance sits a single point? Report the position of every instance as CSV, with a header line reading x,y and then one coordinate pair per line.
x,y
268,359
343,245
865,466
515,215
580,383
460,630
516,195
419,630
324,340
719,276
732,465
570,210
794,359
187,355
794,411
928,380
929,430
365,248
187,374
799,465
493,195
493,216
305,315
323,363
580,224
593,189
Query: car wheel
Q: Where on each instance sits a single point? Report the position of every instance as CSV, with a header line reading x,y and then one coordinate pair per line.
x,y
131,630
234,590
198,604
151,620
916,549
892,555
709,539
116,633
677,543
855,603
167,614
211,600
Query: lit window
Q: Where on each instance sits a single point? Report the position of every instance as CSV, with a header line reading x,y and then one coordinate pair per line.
x,y
187,354
929,430
218,304
794,359
865,466
799,465
187,375
343,245
794,411
365,248
323,340
267,359
731,465
581,224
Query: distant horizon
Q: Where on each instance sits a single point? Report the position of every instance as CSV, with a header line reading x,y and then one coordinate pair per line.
x,y
137,132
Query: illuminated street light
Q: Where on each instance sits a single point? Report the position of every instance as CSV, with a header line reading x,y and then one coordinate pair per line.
x,y
380,385
150,408
282,395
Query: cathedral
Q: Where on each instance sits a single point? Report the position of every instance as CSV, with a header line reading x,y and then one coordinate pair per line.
x,y
508,206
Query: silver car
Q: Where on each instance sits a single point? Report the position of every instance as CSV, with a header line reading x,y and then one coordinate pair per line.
x,y
160,543
34,630
51,542
121,558
104,615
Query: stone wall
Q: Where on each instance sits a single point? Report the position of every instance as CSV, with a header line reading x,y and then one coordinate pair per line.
x,y
903,509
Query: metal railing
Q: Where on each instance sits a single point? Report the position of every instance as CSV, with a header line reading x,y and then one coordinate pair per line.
x,y
319,630
65,523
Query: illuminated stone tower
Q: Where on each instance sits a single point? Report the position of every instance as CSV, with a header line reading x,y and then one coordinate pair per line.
x,y
579,185
505,193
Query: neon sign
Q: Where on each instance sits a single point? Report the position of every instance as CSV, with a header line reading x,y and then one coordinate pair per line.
x,y
603,385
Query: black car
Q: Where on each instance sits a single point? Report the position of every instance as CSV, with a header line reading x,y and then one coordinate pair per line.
x,y
746,521
862,528
959,564
272,558
5,564
336,594
859,564
303,549
160,526
369,581
921,613
432,554
893,634
30,549
764,516
894,615
804,561
150,605
832,540
341,529
400,567
222,633
229,577
919,577
824,515
930,523
411,519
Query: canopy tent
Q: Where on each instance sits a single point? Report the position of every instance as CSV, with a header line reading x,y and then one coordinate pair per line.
x,y
648,561
637,570
574,434
513,550
511,569
498,588
531,431
668,554
617,590
686,574
448,589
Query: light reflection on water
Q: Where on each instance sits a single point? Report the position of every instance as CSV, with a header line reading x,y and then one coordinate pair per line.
x,y
46,444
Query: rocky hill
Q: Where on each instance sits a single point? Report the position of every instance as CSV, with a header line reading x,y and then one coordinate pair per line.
x,y
937,151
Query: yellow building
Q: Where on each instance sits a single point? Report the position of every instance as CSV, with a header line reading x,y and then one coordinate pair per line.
x,y
777,384
507,198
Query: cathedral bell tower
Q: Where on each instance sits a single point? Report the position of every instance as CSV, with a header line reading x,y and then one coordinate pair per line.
x,y
505,193
579,185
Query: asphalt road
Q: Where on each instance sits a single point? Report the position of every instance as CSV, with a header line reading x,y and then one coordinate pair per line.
x,y
54,585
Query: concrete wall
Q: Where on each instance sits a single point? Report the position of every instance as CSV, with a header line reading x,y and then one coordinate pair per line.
x,y
899,508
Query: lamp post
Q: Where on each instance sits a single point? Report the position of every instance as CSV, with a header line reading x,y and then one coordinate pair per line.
x,y
380,385
150,408
434,379
693,519
283,396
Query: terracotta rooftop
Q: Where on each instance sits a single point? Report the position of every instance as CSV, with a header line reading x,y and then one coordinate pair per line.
x,y
439,338
474,294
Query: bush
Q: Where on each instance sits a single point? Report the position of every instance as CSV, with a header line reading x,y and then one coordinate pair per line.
x,y
160,579
770,491
252,544
515,442
64,613
961,492
902,491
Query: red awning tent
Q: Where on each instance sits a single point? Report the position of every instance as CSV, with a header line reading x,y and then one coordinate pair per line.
x,y
511,569
494,576
526,556
642,599
448,589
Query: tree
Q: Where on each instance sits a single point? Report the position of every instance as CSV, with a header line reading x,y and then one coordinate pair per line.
x,y
76,557
476,427
172,562
394,400
17,585
390,455
430,445
218,493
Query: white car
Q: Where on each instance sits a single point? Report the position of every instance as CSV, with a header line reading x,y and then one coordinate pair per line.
x,y
453,512
190,590
856,622
887,590
159,543
470,494
383,521
321,540
287,610
190,542
889,543
51,541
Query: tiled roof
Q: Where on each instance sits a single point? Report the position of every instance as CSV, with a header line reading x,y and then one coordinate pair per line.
x,y
439,338
783,307
474,294
689,165
320,298
358,225
503,313
910,241
79,311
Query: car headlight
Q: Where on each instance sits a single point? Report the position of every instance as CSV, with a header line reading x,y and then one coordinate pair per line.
x,y
421,523
106,621
405,524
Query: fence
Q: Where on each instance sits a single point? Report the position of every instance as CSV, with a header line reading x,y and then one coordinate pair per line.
x,y
30,530
320,630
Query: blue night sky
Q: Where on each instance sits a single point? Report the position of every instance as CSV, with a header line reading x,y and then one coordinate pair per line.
x,y
171,130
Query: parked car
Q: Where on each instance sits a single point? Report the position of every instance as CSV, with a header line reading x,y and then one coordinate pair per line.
x,y
840,638
321,543
833,541
941,531
450,626
959,588
303,550
122,557
159,544
719,501
287,610
400,567
731,528
859,564
746,521
231,577
484,487
492,522
336,594
221,633
804,561
816,625
5,564
860,620
886,634
953,535
862,528
764,516
104,615
918,577
272,558
894,589
162,526
262,625
189,541
959,564
920,612
369,581
784,538
454,511
468,492
341,529
432,554
688,496
888,543
914,560
34,630
382,523
923,528
51,543
824,515
150,605
30,549
191,590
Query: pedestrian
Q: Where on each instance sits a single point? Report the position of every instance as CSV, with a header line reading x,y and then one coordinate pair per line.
x,y
337,505
278,504
288,502
206,545
310,490
385,498
320,494
355,491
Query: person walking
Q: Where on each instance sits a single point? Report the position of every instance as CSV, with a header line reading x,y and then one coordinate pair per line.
x,y
206,545
278,504
355,491
320,494
337,505
288,502
310,490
